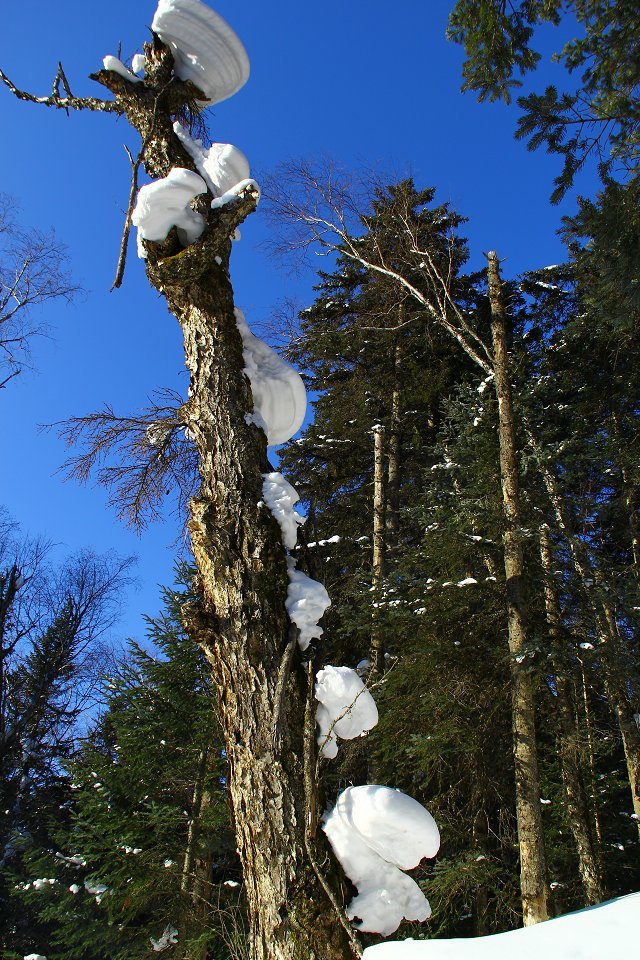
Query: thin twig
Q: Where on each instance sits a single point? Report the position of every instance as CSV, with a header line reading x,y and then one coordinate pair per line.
x,y
63,103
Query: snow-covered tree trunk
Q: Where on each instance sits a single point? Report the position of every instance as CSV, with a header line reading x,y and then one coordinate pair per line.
x,y
239,617
523,686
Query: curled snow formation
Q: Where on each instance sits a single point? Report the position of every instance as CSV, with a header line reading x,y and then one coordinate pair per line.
x,y
222,166
205,49
280,497
306,602
345,709
606,930
164,204
279,395
376,833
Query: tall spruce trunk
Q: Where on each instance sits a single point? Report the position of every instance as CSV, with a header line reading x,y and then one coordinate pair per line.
x,y
533,880
239,618
578,808
379,550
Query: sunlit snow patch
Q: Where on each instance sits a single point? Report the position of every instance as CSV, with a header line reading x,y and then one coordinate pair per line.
x,y
205,49
164,204
604,932
222,166
376,833
279,395
168,939
345,709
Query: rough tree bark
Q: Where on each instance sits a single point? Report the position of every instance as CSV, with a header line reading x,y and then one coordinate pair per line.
x,y
523,686
239,618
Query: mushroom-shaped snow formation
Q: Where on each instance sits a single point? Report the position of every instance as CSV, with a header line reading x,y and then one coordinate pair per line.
x,y
279,395
205,49
164,204
280,497
345,709
222,165
376,833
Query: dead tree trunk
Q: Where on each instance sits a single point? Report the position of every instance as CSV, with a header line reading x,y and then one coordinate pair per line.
x,y
578,808
239,618
523,685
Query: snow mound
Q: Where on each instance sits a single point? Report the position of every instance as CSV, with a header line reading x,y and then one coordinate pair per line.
x,y
117,66
280,497
306,602
164,204
205,49
222,166
279,395
376,833
345,709
607,930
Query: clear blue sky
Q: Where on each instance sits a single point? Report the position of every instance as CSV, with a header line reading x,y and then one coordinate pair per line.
x,y
369,83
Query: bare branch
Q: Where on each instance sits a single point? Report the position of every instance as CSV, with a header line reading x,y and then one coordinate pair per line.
x,y
69,102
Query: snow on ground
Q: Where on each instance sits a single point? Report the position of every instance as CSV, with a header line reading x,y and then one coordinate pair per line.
x,y
376,833
280,497
608,931
279,395
205,49
222,166
345,709
164,204
306,602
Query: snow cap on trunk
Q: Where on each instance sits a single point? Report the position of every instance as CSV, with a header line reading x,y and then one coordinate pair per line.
x,y
279,395
376,833
345,709
205,49
164,204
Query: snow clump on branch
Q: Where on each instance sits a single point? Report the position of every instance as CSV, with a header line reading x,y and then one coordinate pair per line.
x,y
222,166
376,833
164,204
205,49
279,395
306,603
345,709
280,497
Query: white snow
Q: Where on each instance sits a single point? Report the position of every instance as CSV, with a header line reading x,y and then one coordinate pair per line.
x,y
280,497
345,709
168,939
117,66
205,49
43,882
222,166
604,932
74,888
279,395
467,582
306,602
248,186
35,956
376,833
164,204
137,63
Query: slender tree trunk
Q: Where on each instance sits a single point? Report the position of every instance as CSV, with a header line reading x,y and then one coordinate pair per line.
x,y
239,618
392,519
379,550
614,663
523,685
588,723
577,800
